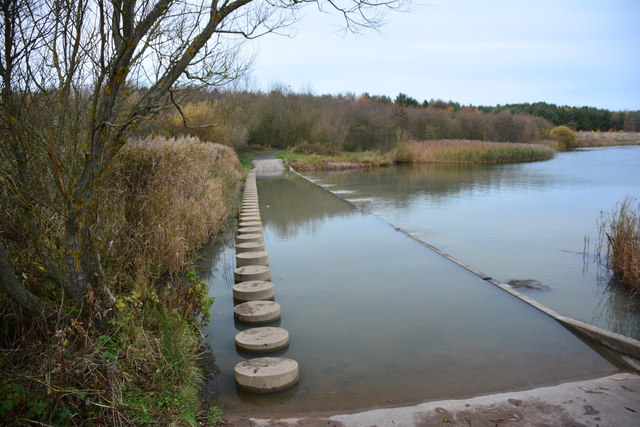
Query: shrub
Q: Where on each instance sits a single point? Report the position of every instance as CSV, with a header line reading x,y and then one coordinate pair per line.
x,y
566,138
211,122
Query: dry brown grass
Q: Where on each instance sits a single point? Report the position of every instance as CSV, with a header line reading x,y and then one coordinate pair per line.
x,y
166,198
619,244
469,151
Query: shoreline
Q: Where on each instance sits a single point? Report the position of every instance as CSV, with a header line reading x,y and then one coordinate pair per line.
x,y
610,400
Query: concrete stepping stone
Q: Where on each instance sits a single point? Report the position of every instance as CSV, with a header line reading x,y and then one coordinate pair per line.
x,y
251,237
257,312
262,340
252,258
266,374
249,247
250,224
251,272
246,230
250,211
253,290
243,218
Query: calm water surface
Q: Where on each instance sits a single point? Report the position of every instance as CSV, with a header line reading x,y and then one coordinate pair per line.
x,y
522,221
376,319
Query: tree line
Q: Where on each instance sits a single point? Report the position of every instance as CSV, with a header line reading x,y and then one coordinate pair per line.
x,y
282,118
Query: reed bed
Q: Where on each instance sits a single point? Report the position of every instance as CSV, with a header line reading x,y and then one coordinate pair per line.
x,y
470,152
619,243
167,197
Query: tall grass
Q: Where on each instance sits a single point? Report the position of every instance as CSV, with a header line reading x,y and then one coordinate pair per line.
x,y
166,198
468,151
619,243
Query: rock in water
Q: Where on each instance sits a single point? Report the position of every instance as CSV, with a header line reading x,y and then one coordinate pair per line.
x,y
528,284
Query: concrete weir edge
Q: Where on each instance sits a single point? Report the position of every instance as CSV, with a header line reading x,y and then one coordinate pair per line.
x,y
626,348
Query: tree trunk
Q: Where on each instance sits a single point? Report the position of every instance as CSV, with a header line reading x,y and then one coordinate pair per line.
x,y
14,288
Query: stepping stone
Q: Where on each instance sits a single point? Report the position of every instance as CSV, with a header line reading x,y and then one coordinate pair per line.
x,y
247,230
262,340
253,290
250,224
252,217
252,237
266,374
251,272
250,211
252,258
257,312
249,247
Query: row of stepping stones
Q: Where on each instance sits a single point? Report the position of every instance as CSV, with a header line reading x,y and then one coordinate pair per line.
x,y
254,291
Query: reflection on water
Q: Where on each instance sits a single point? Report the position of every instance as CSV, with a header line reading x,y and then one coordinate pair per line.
x,y
516,221
298,209
376,319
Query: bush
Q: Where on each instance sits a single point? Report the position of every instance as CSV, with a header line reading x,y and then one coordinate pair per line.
x,y
211,122
566,138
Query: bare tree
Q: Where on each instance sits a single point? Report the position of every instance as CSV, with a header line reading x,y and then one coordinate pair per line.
x,y
78,76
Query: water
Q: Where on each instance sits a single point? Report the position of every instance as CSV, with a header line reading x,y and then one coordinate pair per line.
x,y
521,221
376,319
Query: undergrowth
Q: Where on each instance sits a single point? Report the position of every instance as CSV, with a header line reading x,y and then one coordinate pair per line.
x,y
160,201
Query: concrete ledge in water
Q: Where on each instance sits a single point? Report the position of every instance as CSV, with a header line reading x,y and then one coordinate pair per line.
x,y
253,290
262,340
266,374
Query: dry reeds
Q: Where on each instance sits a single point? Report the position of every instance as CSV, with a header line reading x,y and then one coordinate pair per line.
x,y
619,243
166,197
469,151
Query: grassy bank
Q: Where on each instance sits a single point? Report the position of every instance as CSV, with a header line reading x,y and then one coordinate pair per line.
x,y
619,243
159,202
443,151
360,160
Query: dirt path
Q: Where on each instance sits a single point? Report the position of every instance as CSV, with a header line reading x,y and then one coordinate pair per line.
x,y
608,401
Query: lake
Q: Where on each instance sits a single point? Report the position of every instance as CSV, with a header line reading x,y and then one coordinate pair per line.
x,y
518,221
377,319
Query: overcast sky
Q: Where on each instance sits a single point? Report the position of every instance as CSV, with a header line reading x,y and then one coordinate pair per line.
x,y
480,52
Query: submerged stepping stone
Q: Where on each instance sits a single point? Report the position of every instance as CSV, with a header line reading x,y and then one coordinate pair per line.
x,y
249,247
266,374
251,237
250,224
245,230
252,217
252,258
251,272
253,290
257,312
262,340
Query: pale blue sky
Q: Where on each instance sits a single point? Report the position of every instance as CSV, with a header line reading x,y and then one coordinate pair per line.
x,y
482,52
